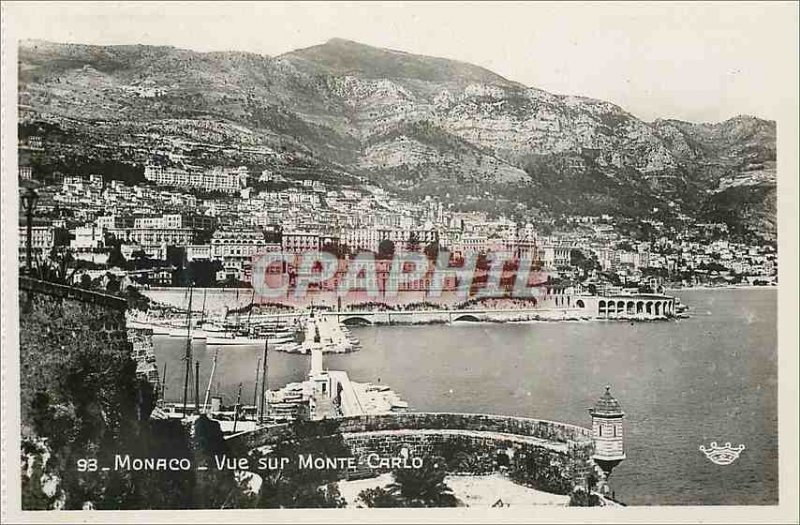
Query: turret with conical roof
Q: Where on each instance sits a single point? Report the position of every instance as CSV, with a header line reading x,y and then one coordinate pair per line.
x,y
607,406
607,430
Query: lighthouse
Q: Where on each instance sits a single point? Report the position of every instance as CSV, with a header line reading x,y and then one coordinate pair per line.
x,y
607,431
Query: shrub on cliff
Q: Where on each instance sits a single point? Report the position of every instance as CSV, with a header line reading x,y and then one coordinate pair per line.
x,y
82,404
423,487
295,487
213,488
583,498
378,497
533,468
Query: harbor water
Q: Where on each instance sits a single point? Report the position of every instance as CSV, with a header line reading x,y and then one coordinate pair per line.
x,y
682,384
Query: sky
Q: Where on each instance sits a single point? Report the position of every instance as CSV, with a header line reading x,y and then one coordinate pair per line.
x,y
701,62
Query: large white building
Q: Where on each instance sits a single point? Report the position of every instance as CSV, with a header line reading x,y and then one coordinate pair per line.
x,y
155,240
114,221
553,256
369,239
229,180
236,248
175,220
43,239
198,252
361,239
88,238
300,242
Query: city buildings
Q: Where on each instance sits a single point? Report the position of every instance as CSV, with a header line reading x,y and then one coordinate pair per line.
x,y
301,214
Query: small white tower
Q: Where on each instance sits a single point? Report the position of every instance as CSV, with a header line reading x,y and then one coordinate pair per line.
x,y
607,430
316,372
316,360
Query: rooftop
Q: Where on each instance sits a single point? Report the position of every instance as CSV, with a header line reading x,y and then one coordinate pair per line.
x,y
607,405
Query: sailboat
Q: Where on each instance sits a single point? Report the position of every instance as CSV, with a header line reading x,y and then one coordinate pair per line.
x,y
236,335
188,355
196,332
240,417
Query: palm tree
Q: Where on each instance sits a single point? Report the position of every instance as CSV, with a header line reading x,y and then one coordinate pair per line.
x,y
60,267
423,487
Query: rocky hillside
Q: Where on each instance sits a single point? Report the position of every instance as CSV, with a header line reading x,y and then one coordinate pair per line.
x,y
412,124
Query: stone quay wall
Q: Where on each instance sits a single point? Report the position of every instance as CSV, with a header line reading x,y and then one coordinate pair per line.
x,y
555,432
535,428
419,308
537,465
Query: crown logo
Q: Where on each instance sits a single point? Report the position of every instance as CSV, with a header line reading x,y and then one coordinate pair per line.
x,y
722,455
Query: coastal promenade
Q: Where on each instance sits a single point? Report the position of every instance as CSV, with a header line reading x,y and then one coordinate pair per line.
x,y
418,310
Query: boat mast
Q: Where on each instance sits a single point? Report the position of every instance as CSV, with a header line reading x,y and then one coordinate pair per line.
x,y
238,307
188,355
163,381
236,408
197,387
255,388
264,383
250,311
210,379
203,311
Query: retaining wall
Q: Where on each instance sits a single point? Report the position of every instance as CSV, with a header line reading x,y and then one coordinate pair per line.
x,y
546,455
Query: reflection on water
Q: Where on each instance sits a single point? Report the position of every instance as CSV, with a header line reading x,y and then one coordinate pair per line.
x,y
683,384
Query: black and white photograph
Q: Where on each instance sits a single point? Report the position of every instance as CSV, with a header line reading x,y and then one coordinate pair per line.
x,y
505,259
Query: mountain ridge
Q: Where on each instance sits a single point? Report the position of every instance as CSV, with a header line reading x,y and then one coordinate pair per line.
x,y
410,122
32,42
342,57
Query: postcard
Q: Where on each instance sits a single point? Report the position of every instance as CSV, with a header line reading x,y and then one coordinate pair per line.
x,y
399,261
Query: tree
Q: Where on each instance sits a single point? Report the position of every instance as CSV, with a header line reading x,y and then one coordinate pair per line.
x,y
113,284
136,300
386,249
90,405
432,250
59,267
86,281
413,242
203,236
176,256
378,497
204,272
295,487
115,258
214,488
576,257
333,248
423,487
583,498
586,264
